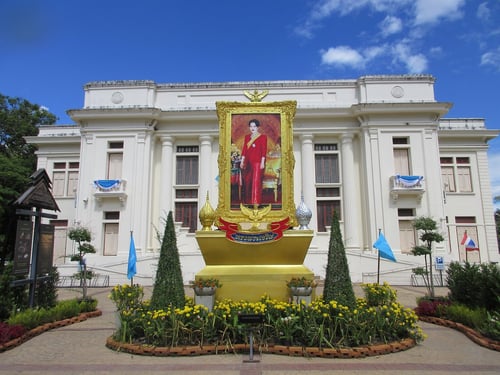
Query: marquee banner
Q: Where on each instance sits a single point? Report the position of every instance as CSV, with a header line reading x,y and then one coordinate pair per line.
x,y
275,233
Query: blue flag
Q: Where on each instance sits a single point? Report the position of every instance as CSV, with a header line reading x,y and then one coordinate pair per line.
x,y
132,258
383,248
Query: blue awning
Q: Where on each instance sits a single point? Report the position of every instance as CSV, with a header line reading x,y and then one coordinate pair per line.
x,y
107,184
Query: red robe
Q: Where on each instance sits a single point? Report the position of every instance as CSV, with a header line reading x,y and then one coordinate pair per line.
x,y
253,152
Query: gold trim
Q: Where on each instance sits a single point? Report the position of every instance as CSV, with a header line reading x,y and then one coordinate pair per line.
x,y
285,112
256,96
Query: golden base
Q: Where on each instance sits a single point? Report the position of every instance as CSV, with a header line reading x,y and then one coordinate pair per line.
x,y
250,271
250,282
218,250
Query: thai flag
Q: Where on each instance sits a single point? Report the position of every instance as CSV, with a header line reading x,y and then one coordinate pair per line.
x,y
468,242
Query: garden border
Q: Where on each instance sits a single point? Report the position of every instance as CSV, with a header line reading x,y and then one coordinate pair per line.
x,y
294,351
47,327
467,331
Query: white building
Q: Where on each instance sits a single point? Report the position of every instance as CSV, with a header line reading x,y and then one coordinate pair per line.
x,y
352,139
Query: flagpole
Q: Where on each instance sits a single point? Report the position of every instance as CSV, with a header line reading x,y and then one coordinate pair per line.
x,y
465,248
132,278
384,251
378,260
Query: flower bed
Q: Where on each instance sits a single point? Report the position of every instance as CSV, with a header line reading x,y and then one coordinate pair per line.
x,y
356,352
319,325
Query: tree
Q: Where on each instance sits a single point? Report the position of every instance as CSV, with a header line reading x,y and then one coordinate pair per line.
x,y
168,289
18,118
82,237
428,236
338,285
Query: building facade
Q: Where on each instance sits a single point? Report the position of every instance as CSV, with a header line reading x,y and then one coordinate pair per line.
x,y
376,149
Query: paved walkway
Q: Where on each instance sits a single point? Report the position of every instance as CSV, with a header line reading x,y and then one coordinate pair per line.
x,y
80,349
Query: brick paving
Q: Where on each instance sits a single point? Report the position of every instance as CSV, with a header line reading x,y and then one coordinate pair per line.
x,y
80,349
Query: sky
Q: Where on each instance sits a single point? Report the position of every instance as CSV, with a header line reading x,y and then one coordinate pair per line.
x,y
49,49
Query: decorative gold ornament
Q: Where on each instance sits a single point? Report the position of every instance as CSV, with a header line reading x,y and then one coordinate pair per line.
x,y
256,96
255,215
207,215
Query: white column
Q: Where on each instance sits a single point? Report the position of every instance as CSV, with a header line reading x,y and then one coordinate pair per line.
x,y
140,185
349,191
307,167
167,165
205,168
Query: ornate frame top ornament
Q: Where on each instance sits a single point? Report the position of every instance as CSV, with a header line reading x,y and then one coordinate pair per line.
x,y
256,97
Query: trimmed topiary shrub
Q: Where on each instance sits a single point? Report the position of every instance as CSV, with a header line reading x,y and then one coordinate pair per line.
x,y
338,285
168,289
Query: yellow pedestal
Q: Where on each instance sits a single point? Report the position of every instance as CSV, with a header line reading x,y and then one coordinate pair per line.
x,y
249,271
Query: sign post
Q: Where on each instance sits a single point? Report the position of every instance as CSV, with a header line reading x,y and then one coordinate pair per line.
x,y
251,320
37,196
439,264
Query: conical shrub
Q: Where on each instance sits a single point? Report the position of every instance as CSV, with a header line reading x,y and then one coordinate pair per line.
x,y
338,285
168,289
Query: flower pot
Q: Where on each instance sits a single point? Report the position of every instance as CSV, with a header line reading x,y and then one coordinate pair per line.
x,y
301,290
204,291
205,300
117,320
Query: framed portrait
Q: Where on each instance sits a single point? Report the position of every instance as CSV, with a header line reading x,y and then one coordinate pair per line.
x,y
256,160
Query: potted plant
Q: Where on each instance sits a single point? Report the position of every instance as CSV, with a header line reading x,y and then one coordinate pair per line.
x,y
301,286
204,291
205,287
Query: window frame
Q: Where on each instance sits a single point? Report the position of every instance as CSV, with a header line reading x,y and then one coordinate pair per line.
x,y
186,191
454,181
407,215
400,144
66,169
328,194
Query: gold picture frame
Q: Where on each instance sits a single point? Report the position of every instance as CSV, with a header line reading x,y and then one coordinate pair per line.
x,y
276,124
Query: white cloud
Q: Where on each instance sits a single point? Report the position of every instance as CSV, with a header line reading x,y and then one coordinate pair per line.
x,y
431,11
491,58
345,56
424,12
436,51
342,56
423,15
415,63
483,12
391,25
371,53
325,8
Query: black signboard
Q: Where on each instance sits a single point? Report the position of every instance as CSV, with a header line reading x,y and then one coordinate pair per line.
x,y
45,249
22,252
250,318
